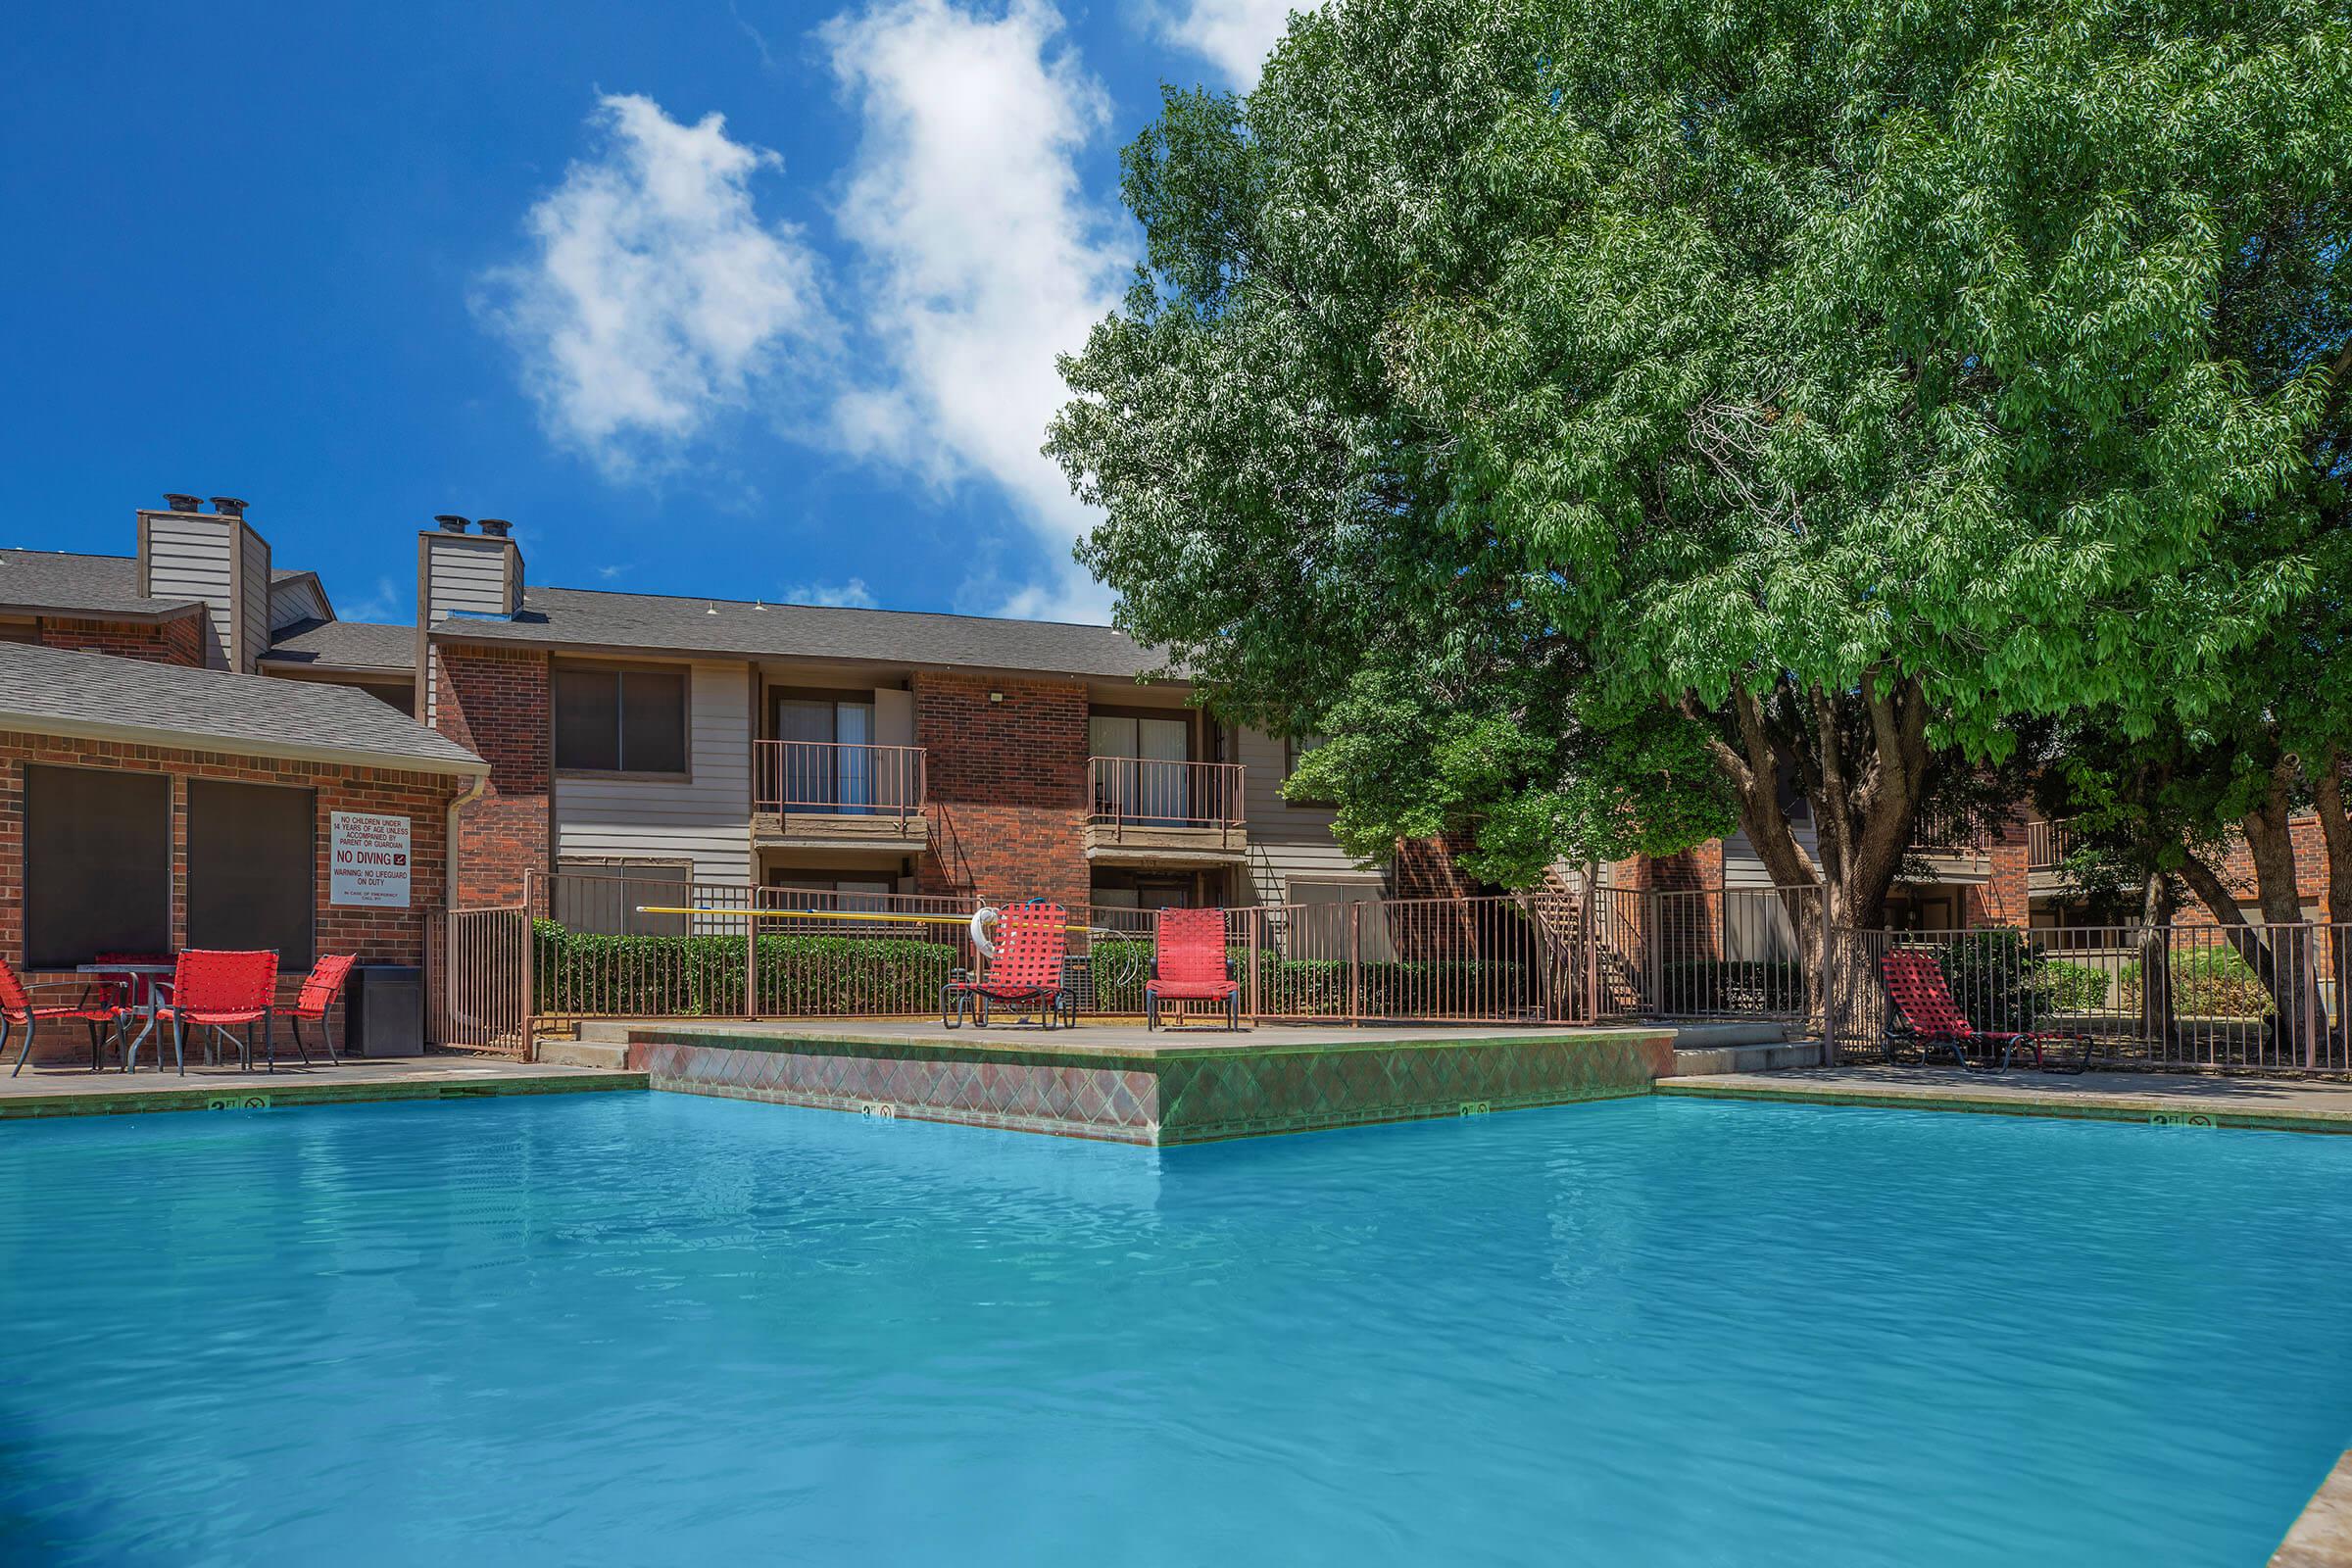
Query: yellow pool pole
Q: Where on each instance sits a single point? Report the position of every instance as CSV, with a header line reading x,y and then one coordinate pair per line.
x,y
826,914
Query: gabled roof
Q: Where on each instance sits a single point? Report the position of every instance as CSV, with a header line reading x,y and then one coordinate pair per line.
x,y
55,583
361,646
586,619
48,691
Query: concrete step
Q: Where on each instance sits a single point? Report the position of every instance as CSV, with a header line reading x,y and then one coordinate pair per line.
x,y
584,1053
614,1034
1730,1032
1705,1060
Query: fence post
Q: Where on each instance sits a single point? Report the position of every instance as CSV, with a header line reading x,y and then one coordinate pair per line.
x,y
1828,992
531,953
750,954
1256,918
1356,962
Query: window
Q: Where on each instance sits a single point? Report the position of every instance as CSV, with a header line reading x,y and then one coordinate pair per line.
x,y
611,720
252,868
97,864
1293,751
602,898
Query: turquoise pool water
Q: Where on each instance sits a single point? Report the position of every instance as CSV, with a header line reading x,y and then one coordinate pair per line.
x,y
654,1328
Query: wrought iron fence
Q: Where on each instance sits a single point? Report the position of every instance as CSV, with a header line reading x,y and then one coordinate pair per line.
x,y
1733,952
2258,998
476,980
838,778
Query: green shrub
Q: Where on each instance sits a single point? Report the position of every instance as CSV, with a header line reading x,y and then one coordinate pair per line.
x,y
1729,985
2207,983
1998,977
1317,988
696,977
2077,987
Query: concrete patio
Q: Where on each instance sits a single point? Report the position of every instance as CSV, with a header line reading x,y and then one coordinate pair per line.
x,y
60,1090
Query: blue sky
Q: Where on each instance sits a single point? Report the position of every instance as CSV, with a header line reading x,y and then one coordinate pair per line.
x,y
364,265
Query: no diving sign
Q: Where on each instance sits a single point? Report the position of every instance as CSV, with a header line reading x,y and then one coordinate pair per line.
x,y
368,859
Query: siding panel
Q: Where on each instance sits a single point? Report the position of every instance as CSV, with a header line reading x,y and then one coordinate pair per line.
x,y
188,558
1286,842
704,821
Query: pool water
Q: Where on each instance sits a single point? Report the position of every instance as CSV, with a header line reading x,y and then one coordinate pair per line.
x,y
656,1328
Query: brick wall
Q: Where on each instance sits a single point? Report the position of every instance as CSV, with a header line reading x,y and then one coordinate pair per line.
x,y
2006,897
170,642
1006,787
494,701
376,935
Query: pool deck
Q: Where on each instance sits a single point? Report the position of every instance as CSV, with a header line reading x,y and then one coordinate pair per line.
x,y
76,1090
1119,1082
2323,1536
2193,1100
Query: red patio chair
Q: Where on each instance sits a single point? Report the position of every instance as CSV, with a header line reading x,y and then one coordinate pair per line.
x,y
315,1002
1026,973
1190,963
223,992
18,1011
1916,985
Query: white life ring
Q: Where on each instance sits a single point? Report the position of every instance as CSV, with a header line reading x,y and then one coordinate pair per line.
x,y
984,921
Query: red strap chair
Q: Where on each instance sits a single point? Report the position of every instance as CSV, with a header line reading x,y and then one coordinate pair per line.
x,y
18,1011
1026,973
223,992
315,1002
1190,963
1916,985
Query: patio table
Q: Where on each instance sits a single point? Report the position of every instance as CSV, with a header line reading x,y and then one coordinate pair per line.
x,y
151,1009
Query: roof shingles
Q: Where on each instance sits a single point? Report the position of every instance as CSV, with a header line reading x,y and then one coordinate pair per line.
x,y
49,691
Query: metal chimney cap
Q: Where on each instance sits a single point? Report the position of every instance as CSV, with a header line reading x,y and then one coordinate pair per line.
x,y
228,505
173,501
449,521
495,527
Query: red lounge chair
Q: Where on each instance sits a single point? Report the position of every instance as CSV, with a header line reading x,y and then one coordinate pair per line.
x,y
224,990
1026,973
1190,963
1916,985
315,1002
94,1006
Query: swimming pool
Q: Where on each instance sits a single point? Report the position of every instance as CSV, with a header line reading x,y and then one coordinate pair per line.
x,y
657,1328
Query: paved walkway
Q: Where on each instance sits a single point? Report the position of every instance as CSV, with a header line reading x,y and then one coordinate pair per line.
x,y
2189,1098
76,1090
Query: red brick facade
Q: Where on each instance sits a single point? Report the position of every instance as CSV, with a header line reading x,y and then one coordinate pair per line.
x,y
1006,787
179,641
495,703
376,935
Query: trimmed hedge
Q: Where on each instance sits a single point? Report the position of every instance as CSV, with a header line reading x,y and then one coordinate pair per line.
x,y
1727,985
1317,988
2077,987
696,977
2207,983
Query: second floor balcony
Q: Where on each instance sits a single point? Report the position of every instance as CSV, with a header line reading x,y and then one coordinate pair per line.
x,y
839,793
1145,811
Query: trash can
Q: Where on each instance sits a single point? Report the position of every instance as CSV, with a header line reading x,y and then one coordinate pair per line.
x,y
386,1010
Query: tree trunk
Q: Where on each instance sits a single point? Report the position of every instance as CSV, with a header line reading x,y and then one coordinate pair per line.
x,y
2335,832
2157,1024
2291,975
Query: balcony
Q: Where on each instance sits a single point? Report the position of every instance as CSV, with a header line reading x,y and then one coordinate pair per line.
x,y
1951,850
1145,812
832,795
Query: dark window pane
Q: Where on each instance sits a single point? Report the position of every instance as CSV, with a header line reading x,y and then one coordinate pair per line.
x,y
587,719
252,868
97,864
652,721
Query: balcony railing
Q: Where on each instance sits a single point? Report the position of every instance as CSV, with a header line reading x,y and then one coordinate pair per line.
x,y
2047,845
837,779
1142,792
1939,833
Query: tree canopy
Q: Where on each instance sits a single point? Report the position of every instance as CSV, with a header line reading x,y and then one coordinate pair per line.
x,y
1610,419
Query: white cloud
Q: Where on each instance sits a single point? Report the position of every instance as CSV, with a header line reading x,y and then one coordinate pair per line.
x,y
984,255
850,595
657,298
386,604
1233,36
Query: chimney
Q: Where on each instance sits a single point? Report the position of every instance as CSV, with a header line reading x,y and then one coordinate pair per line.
x,y
461,574
216,558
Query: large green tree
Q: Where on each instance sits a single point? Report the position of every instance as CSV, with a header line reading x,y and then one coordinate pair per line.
x,y
1598,413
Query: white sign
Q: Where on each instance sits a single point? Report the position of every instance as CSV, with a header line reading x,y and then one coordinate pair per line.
x,y
369,860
